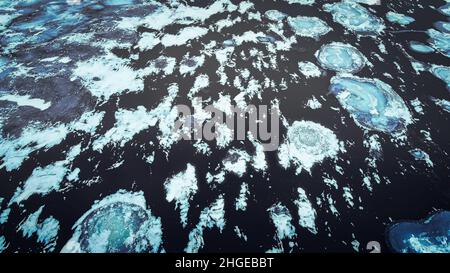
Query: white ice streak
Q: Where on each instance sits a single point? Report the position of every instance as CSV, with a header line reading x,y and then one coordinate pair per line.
x,y
181,189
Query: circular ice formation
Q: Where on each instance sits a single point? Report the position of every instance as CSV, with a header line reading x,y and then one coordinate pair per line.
x,y
355,18
420,47
442,72
431,235
373,104
307,143
311,27
341,57
118,223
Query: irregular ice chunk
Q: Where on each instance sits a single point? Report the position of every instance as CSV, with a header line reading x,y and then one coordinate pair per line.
x,y
26,101
275,15
281,218
183,36
3,244
442,72
348,197
148,41
313,103
440,41
181,188
107,76
306,212
241,201
131,122
4,215
212,216
46,231
236,162
373,104
311,27
399,18
431,235
418,106
445,9
309,70
307,143
445,104
42,181
201,82
15,150
161,65
420,155
341,57
420,47
119,222
301,2
442,26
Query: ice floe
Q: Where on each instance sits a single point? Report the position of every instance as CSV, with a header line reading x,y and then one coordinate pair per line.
x,y
275,15
3,244
373,104
311,27
301,2
15,150
26,100
46,230
210,217
181,189
420,155
107,76
309,70
445,104
355,18
306,213
445,9
307,144
241,201
399,18
236,162
440,41
282,219
120,222
442,72
420,47
431,235
4,215
341,57
131,122
44,180
183,36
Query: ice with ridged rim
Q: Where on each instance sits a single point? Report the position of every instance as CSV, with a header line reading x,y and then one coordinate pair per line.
x,y
341,57
355,18
120,222
373,104
308,143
